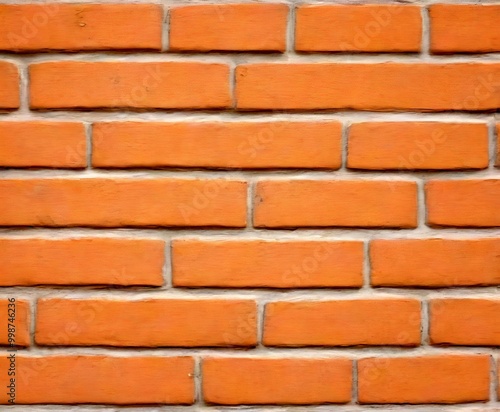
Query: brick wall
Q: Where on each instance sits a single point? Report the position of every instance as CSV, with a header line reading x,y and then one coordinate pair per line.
x,y
224,205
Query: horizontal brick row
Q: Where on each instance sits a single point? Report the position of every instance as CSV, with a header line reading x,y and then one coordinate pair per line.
x,y
265,86
385,321
404,146
248,27
232,380
250,263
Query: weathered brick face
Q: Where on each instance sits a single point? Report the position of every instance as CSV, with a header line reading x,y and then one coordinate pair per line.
x,y
210,205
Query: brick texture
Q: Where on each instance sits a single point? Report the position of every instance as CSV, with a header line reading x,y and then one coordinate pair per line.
x,y
359,28
43,144
43,27
162,85
465,28
229,27
258,205
229,145
103,380
162,322
234,381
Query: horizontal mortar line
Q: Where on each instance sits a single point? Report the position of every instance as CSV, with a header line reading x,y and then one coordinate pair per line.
x,y
274,174
326,234
244,57
262,295
180,2
154,115
264,351
464,407
354,116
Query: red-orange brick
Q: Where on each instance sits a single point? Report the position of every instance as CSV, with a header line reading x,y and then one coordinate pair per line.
x,y
497,162
418,145
9,86
14,314
81,261
53,26
230,27
162,85
343,323
256,263
152,322
122,202
237,381
468,203
101,380
42,144
361,203
465,322
429,379
435,262
358,28
465,28
218,145
375,86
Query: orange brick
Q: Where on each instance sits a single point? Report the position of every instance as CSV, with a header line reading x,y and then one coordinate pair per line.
x,y
236,381
101,380
14,315
152,322
256,263
308,203
465,28
418,145
42,144
9,86
53,26
81,261
358,28
343,323
465,322
122,202
435,262
429,379
497,162
231,27
218,145
468,203
374,87
162,85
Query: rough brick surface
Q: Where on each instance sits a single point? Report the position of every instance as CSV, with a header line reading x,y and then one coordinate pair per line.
x,y
131,85
469,203
254,263
103,380
230,145
359,28
408,146
152,322
465,28
9,86
471,322
40,27
234,381
229,27
393,86
342,323
435,262
258,205
81,261
430,379
43,144
335,203
123,202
